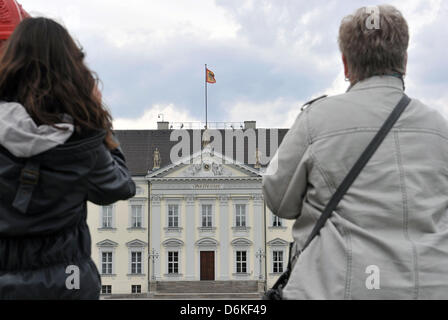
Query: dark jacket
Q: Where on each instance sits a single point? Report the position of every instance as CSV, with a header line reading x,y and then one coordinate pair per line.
x,y
43,212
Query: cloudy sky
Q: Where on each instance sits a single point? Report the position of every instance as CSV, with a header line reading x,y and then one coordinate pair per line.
x,y
269,56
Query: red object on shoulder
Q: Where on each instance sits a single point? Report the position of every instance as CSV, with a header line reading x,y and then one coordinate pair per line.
x,y
11,14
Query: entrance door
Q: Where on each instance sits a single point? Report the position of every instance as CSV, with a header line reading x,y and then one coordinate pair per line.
x,y
207,265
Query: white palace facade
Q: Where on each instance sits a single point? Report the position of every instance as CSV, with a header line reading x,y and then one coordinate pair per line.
x,y
200,220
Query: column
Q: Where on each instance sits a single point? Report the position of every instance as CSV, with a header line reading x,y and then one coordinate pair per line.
x,y
258,225
224,237
156,237
190,229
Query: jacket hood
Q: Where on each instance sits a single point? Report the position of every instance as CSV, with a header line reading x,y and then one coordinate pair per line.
x,y
20,135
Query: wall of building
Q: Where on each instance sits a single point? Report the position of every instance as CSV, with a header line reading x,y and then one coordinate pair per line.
x,y
122,235
218,238
283,233
189,239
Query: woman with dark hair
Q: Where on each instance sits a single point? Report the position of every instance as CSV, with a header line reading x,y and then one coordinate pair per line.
x,y
57,151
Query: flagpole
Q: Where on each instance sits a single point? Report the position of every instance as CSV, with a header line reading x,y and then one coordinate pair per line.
x,y
206,99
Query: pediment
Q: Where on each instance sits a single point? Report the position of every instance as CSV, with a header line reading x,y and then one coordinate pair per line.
x,y
241,242
107,243
136,243
207,242
206,164
278,242
173,243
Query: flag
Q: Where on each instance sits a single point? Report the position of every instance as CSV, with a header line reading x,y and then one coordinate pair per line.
x,y
210,77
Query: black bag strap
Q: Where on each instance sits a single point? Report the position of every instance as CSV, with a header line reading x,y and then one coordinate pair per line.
x,y
357,168
29,180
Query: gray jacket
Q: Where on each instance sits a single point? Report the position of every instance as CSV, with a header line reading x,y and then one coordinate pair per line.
x,y
388,238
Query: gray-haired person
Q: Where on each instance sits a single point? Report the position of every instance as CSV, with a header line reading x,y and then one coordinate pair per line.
x,y
388,237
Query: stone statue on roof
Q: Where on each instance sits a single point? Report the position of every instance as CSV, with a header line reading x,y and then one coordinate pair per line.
x,y
157,159
257,157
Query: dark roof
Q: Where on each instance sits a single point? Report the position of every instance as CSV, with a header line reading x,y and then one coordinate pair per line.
x,y
139,147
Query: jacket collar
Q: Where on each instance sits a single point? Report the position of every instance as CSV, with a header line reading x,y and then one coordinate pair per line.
x,y
388,81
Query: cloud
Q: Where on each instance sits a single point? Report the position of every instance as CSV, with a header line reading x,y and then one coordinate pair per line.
x,y
279,113
267,55
128,22
153,115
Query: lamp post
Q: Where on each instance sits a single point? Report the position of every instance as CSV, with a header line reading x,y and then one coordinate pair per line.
x,y
260,255
153,255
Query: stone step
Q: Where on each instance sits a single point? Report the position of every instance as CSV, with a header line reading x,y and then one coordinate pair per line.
x,y
184,296
208,296
207,287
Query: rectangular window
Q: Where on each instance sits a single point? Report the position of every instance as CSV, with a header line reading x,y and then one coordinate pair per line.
x,y
137,216
277,259
106,263
241,262
276,221
207,216
106,289
107,217
173,216
136,289
136,262
173,262
240,218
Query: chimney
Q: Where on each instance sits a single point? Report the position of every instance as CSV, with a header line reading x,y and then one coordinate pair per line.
x,y
250,125
163,125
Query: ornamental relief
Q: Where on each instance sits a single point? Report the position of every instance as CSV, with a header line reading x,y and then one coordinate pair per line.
x,y
257,198
156,199
190,199
224,199
206,169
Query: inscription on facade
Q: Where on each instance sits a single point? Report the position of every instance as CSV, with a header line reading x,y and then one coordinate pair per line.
x,y
206,186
